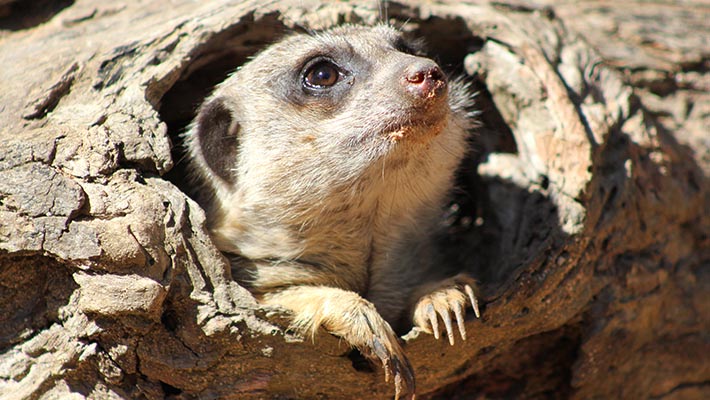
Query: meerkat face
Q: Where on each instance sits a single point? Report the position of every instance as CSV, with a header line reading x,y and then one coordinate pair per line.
x,y
316,112
361,88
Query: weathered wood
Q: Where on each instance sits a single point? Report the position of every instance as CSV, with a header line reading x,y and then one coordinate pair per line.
x,y
590,233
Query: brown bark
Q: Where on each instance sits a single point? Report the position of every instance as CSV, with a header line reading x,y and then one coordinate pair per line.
x,y
589,233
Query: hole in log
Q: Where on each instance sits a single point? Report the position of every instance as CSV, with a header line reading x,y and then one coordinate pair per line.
x,y
169,389
211,64
474,232
551,354
170,320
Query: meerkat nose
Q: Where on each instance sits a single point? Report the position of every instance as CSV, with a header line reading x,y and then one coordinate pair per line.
x,y
425,79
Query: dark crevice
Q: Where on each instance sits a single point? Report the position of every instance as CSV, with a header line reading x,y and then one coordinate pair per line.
x,y
170,320
552,354
170,390
360,363
20,14
704,385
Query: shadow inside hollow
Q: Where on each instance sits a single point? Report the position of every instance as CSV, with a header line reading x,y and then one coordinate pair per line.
x,y
18,15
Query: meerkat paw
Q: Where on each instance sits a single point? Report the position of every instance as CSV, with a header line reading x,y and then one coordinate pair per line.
x,y
347,315
450,297
374,338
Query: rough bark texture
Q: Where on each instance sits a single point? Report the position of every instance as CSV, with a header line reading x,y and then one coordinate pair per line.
x,y
584,210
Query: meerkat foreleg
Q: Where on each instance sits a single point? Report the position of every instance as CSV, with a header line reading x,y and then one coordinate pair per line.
x,y
346,314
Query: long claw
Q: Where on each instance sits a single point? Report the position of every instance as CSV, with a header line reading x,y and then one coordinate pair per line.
x,y
397,386
474,301
458,312
395,366
447,322
404,385
434,321
405,369
381,353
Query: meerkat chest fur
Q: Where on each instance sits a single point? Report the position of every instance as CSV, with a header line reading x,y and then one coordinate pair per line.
x,y
335,149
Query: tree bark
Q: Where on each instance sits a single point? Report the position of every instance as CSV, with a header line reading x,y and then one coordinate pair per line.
x,y
583,210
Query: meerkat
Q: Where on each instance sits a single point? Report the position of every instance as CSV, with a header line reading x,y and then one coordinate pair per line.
x,y
323,165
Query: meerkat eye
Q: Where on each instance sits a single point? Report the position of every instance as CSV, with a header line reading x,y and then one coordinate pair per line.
x,y
321,75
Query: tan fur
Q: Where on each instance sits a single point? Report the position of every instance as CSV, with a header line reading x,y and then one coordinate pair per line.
x,y
329,203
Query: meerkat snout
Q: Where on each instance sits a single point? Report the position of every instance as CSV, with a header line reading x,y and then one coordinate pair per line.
x,y
425,79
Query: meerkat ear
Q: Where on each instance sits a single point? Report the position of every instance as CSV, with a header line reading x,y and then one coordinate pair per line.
x,y
215,139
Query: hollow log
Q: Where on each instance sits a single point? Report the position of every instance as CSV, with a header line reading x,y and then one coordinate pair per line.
x,y
582,209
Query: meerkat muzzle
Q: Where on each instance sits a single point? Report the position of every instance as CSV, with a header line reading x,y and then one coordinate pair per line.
x,y
426,85
425,80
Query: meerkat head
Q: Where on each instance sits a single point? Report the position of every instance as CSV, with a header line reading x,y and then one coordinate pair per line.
x,y
315,112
